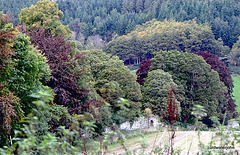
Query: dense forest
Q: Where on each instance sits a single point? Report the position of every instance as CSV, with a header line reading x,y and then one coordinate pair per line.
x,y
65,74
108,18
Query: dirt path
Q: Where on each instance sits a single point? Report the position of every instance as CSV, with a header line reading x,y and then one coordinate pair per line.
x,y
184,140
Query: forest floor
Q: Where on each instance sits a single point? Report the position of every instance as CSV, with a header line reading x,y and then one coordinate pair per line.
x,y
186,141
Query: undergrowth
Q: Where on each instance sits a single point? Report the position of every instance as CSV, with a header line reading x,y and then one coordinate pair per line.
x,y
65,141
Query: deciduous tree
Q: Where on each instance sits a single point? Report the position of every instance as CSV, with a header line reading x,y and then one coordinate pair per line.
x,y
201,84
112,81
64,70
29,71
220,67
155,93
153,36
7,36
23,69
235,52
142,71
224,75
45,15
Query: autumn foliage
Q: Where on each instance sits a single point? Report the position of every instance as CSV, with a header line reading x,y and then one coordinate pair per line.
x,y
224,75
61,60
171,116
220,67
142,71
7,100
7,36
172,108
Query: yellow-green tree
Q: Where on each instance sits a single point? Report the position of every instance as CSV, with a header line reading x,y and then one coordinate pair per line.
x,y
45,14
153,36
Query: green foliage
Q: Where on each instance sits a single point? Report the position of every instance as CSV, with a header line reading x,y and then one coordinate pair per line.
x,y
7,36
50,116
155,92
235,52
222,15
45,15
34,137
103,67
201,84
14,7
153,36
111,81
226,140
110,17
23,69
10,112
29,70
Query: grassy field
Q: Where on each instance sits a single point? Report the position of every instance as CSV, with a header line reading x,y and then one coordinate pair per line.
x,y
236,91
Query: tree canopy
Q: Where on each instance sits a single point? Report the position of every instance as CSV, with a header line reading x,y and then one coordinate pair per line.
x,y
62,62
7,98
201,84
44,15
30,70
153,36
87,91
224,75
142,71
155,92
7,36
235,52
110,17
112,81
220,67
23,69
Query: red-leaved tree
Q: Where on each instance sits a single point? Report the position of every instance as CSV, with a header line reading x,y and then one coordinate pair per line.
x,y
142,71
7,112
7,98
224,75
62,62
7,36
220,67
